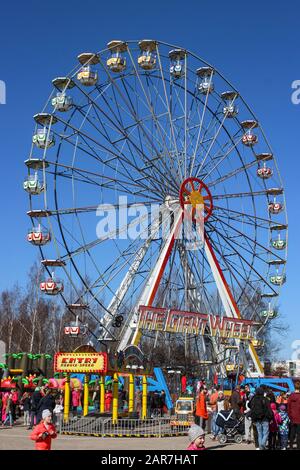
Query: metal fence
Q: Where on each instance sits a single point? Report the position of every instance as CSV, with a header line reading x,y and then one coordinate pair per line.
x,y
105,427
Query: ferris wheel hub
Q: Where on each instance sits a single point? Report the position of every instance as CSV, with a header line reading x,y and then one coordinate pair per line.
x,y
194,192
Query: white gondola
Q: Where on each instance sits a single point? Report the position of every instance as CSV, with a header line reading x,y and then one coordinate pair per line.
x,y
279,241
275,207
249,139
72,330
230,109
87,75
38,237
62,102
177,65
51,286
33,185
75,329
43,138
278,279
269,313
264,172
147,58
117,62
206,84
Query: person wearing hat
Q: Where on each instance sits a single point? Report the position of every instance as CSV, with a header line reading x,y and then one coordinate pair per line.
x,y
35,400
196,438
44,432
283,427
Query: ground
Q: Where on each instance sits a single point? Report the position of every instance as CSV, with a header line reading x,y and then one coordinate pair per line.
x,y
17,438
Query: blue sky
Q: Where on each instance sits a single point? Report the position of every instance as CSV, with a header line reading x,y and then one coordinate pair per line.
x,y
254,45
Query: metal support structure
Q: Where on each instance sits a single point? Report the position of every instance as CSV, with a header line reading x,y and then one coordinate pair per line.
x,y
229,304
102,394
115,399
196,302
131,393
151,286
144,398
67,398
125,285
86,395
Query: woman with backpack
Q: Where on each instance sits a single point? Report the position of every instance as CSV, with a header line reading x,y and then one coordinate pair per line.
x,y
261,414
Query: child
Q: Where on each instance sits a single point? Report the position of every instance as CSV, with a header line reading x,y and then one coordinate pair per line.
x,y
196,437
44,432
273,427
283,427
58,412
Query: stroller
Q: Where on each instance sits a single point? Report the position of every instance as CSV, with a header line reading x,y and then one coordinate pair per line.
x,y
232,425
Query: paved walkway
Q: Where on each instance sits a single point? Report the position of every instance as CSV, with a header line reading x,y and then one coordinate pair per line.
x,y
17,438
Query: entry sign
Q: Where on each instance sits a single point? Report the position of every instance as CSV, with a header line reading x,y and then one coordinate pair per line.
x,y
85,363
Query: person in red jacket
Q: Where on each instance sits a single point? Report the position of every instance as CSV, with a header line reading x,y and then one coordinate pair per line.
x,y
294,415
44,432
107,400
201,415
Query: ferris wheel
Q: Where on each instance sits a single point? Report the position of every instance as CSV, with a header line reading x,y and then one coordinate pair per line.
x,y
136,126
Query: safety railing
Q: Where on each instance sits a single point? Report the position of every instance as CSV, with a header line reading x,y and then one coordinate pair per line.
x,y
105,427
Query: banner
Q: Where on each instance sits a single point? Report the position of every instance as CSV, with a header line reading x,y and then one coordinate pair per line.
x,y
193,323
84,363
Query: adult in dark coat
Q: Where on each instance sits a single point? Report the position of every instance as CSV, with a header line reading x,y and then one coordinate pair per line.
x,y
294,415
35,400
261,414
236,401
46,403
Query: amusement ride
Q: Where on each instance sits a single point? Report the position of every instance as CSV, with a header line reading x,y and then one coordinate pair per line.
x,y
136,140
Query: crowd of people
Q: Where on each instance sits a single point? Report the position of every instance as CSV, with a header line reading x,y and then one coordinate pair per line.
x,y
29,406
270,422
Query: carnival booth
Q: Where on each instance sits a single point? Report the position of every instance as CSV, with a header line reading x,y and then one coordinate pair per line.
x,y
85,360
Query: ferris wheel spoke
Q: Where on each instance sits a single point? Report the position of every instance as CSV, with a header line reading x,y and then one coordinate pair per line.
x,y
108,162
167,103
107,207
225,156
229,259
125,137
128,187
116,155
234,272
219,157
243,288
235,172
234,195
110,235
152,117
256,219
206,298
136,123
200,128
250,239
134,116
247,262
168,138
113,271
